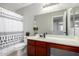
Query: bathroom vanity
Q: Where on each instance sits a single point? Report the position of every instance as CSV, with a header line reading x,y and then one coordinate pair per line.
x,y
37,46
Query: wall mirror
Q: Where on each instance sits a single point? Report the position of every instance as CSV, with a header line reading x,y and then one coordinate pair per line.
x,y
52,23
63,22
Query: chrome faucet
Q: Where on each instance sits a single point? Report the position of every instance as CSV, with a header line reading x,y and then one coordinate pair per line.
x,y
44,35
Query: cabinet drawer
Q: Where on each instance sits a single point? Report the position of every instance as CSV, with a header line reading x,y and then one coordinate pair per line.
x,y
30,42
39,43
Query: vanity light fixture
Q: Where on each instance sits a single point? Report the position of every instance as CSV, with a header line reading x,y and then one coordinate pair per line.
x,y
48,4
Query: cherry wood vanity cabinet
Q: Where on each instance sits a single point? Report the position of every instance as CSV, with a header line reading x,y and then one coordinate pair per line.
x,y
41,48
37,48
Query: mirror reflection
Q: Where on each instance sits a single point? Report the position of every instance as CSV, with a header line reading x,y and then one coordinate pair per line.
x,y
58,25
63,22
74,21
52,23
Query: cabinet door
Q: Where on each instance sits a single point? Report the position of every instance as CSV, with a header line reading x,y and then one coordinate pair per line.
x,y
30,50
41,51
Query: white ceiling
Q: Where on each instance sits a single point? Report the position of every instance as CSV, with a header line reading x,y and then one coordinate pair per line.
x,y
14,6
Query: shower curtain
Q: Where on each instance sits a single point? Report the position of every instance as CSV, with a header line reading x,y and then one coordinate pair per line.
x,y
11,30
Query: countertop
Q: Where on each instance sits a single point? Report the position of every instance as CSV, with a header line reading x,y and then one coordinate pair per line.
x,y
58,39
